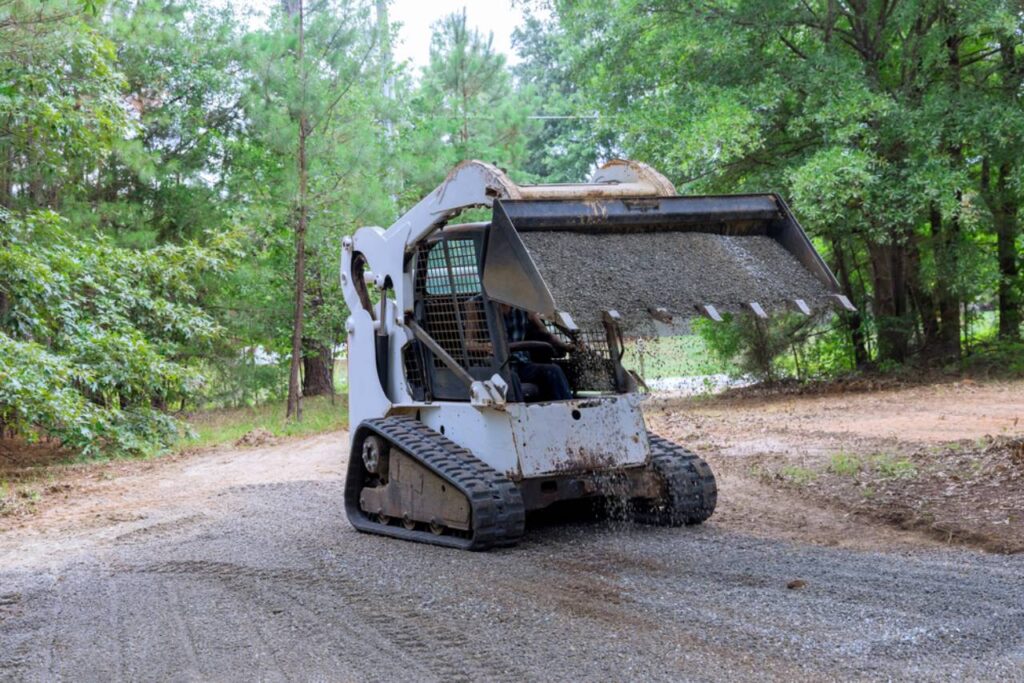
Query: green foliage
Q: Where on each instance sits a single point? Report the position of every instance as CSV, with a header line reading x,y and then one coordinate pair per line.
x,y
149,189
845,464
784,345
59,108
466,107
880,122
823,352
893,468
243,378
180,65
568,142
92,335
338,91
999,358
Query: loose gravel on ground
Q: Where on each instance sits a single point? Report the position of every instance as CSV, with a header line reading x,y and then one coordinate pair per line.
x,y
268,581
678,271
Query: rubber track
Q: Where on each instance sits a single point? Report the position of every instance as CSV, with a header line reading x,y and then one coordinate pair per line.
x,y
497,514
690,489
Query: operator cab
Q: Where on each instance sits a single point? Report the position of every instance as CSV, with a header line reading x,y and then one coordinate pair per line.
x,y
451,305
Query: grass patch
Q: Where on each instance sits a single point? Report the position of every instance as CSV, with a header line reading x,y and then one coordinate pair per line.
x,y
15,500
227,425
892,468
845,465
759,472
801,476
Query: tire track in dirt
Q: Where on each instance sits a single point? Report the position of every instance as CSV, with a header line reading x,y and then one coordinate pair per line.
x,y
416,634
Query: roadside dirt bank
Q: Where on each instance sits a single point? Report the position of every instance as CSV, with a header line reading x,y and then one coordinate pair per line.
x,y
945,461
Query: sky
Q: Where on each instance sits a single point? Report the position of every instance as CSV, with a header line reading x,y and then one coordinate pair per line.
x,y
498,17
416,16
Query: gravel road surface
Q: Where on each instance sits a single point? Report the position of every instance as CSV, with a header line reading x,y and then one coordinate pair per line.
x,y
239,565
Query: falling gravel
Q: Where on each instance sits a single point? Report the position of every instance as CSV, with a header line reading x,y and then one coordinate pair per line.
x,y
637,272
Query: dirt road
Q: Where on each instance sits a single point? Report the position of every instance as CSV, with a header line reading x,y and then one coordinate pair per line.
x,y
239,565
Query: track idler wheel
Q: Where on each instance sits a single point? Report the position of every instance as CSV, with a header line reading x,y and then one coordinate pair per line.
x,y
689,494
375,453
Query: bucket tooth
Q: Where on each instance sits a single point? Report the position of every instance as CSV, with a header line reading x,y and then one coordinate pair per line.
x,y
660,314
802,306
845,303
711,312
611,315
758,310
567,321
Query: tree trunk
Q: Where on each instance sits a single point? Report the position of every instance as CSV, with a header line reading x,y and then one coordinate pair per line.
x,y
1007,229
318,370
1006,207
890,301
923,300
1009,279
35,183
946,235
6,176
946,238
294,396
854,321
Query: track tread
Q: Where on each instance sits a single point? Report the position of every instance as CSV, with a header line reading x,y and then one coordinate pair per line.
x,y
497,512
691,492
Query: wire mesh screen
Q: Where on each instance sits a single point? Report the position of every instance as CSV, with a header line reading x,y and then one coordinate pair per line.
x,y
414,374
448,288
591,368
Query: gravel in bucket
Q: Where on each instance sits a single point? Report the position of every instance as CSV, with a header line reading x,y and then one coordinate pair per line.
x,y
634,273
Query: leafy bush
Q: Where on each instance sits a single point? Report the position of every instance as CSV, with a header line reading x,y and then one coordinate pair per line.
x,y
785,345
996,357
93,337
238,380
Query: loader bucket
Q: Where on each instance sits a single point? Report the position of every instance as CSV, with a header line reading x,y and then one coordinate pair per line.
x,y
657,261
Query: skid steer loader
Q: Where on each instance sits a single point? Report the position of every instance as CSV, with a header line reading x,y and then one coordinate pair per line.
x,y
449,444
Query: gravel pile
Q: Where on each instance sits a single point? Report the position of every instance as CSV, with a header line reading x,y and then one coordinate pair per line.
x,y
636,272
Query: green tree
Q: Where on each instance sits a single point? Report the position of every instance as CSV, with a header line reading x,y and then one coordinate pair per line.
x,y
96,340
466,107
313,161
60,109
866,112
181,69
566,141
